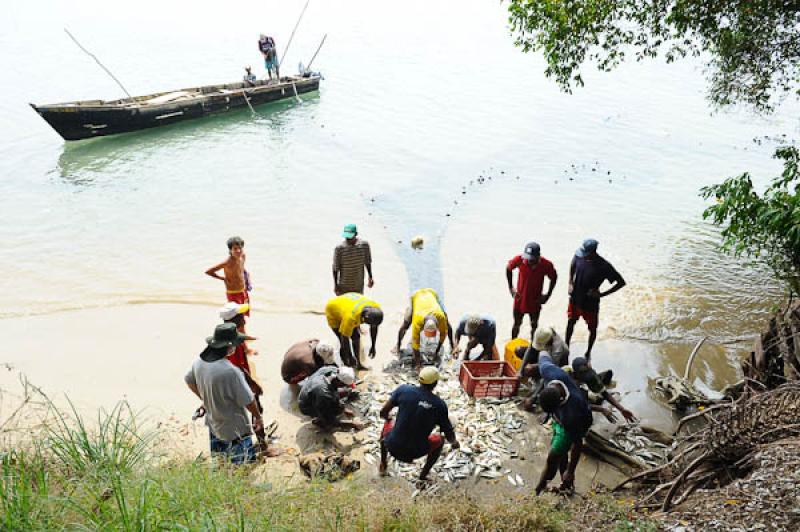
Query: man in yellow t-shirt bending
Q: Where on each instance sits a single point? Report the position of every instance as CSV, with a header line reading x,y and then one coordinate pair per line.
x,y
427,316
345,313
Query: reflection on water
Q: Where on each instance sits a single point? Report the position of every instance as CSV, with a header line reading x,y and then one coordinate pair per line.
x,y
82,162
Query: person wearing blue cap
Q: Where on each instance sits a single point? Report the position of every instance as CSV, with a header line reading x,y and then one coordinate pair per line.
x,y
587,273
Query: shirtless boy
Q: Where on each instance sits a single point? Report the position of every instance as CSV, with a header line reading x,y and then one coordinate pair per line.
x,y
235,274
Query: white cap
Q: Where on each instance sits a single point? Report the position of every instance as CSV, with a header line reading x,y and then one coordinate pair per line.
x,y
347,375
231,309
472,325
325,351
431,323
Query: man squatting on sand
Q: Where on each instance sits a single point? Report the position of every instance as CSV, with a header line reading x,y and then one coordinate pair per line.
x,y
419,411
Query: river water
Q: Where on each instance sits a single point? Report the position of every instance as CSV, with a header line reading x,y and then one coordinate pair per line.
x,y
428,122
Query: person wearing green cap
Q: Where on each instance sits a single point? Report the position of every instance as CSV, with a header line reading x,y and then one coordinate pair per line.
x,y
350,259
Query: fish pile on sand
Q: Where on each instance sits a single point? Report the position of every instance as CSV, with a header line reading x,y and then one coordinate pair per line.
x,y
491,430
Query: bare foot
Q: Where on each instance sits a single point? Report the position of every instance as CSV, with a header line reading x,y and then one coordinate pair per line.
x,y
383,469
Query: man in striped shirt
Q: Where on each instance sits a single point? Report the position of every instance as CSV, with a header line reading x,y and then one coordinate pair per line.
x,y
350,258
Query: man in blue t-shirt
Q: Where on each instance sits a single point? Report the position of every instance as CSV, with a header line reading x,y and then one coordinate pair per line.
x,y
419,411
572,418
481,330
587,273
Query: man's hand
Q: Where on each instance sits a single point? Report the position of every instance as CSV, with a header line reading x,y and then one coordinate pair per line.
x,y
609,415
258,424
455,444
456,351
628,415
337,290
372,352
371,282
568,481
569,289
512,291
543,298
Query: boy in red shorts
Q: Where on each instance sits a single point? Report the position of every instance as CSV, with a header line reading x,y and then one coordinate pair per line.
x,y
586,273
419,411
236,279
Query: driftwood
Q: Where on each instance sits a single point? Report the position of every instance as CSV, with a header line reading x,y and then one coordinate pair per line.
x,y
723,449
776,354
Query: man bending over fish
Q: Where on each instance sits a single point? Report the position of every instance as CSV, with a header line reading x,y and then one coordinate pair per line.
x,y
425,315
345,314
419,411
480,330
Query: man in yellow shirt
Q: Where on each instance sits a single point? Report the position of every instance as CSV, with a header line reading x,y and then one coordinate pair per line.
x,y
345,314
427,316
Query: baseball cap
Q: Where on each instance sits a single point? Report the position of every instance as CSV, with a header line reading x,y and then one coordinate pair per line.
x,y
431,326
588,247
350,230
473,322
542,337
532,251
584,373
428,375
325,351
347,376
231,309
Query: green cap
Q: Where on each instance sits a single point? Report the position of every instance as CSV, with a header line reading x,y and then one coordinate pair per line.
x,y
350,231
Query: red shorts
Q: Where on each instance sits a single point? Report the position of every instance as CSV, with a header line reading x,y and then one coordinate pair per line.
x,y
575,312
435,440
241,298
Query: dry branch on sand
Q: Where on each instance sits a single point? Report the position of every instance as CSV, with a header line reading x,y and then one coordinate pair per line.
x,y
723,450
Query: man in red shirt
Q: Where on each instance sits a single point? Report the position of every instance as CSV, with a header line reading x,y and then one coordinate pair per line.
x,y
528,297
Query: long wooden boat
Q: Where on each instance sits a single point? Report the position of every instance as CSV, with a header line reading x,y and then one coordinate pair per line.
x,y
96,118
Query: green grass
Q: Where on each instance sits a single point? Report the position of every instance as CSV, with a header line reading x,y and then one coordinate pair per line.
x,y
109,477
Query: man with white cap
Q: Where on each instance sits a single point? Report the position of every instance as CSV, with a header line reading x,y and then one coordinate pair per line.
x,y
481,330
304,358
528,296
321,397
587,273
426,316
419,411
545,339
233,312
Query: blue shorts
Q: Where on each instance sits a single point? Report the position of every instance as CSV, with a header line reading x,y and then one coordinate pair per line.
x,y
240,452
271,64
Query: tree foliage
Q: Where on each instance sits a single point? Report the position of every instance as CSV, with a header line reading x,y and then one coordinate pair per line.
x,y
752,46
763,226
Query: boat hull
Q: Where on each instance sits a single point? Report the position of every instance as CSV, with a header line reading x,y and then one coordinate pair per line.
x,y
83,120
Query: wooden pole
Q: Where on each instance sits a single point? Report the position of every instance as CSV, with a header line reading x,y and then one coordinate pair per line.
x,y
283,56
90,54
308,67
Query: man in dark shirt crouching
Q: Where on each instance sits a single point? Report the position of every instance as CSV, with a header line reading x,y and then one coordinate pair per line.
x,y
419,411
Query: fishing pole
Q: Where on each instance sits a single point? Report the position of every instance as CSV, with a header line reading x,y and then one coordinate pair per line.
x,y
308,67
90,54
280,61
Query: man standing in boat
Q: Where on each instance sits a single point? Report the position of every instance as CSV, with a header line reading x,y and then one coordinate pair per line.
x,y
266,45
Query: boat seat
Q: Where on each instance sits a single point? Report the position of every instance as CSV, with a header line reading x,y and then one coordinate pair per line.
x,y
164,98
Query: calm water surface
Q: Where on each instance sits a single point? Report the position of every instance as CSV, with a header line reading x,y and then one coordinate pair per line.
x,y
428,122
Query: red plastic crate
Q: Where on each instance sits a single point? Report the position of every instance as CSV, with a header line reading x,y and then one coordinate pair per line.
x,y
488,378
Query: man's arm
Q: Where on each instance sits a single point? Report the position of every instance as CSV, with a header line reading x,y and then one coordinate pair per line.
x,y
571,276
386,408
401,333
258,422
616,286
194,389
510,279
212,272
627,414
336,269
450,335
373,333
606,412
553,279
549,471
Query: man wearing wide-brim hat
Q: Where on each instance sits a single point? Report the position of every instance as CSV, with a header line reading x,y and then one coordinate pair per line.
x,y
226,396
